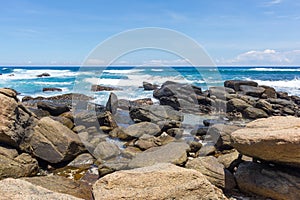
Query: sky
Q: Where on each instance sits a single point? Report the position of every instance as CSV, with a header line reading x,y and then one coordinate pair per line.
x,y
232,32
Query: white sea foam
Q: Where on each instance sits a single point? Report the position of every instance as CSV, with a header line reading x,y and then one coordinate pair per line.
x,y
290,86
276,69
22,74
53,83
157,70
122,71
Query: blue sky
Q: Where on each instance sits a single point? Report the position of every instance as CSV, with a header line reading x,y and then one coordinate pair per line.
x,y
236,32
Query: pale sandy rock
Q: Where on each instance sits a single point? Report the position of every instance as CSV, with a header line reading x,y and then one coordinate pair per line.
x,y
13,189
275,139
161,181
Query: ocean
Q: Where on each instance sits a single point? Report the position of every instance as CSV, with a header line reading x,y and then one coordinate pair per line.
x,y
129,79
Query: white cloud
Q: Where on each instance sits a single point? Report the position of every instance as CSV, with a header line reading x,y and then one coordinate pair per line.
x,y
159,62
273,2
266,57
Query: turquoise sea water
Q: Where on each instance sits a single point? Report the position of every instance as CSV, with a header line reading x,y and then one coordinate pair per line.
x,y
25,80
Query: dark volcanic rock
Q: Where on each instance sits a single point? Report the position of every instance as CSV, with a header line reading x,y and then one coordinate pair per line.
x,y
268,182
52,108
112,103
97,88
235,84
252,91
155,113
269,92
254,113
149,86
237,105
51,89
43,74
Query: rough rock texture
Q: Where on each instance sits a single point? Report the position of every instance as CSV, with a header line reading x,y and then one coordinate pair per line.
x,y
254,113
161,181
15,120
53,108
62,185
20,166
275,139
155,113
252,91
82,161
235,84
174,152
149,86
54,142
106,150
268,182
112,103
12,189
237,105
209,167
139,129
220,134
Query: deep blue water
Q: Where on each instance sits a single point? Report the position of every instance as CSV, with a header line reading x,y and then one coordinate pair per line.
x,y
25,80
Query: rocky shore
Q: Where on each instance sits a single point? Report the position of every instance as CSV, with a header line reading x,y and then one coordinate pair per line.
x,y
66,147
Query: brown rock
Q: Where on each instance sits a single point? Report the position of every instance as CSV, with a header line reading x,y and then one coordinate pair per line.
x,y
20,166
174,152
54,142
275,139
161,181
62,185
209,167
12,189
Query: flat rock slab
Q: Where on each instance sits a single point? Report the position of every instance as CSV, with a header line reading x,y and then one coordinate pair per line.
x,y
12,189
161,181
275,139
174,152
62,185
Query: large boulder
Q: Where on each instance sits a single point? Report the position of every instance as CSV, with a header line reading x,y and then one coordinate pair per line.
x,y
235,84
275,139
220,134
155,113
20,166
53,108
174,152
254,113
112,103
268,181
237,105
161,181
20,189
209,167
16,121
54,142
149,86
252,91
62,185
139,129
106,150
